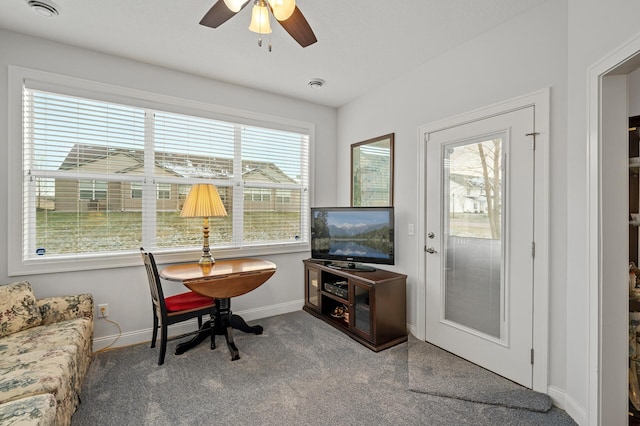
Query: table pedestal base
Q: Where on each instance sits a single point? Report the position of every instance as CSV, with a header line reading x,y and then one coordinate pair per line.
x,y
222,324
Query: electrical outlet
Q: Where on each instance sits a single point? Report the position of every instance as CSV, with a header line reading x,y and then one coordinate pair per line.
x,y
104,310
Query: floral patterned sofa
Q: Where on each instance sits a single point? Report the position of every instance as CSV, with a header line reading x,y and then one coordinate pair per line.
x,y
45,351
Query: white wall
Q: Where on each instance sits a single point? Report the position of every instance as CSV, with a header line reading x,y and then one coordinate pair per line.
x,y
125,289
521,56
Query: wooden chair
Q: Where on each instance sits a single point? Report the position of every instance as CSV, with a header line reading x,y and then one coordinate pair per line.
x,y
173,309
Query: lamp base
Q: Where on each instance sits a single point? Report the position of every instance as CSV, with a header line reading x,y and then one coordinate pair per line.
x,y
206,260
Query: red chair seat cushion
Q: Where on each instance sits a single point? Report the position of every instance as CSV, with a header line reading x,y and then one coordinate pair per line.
x,y
185,301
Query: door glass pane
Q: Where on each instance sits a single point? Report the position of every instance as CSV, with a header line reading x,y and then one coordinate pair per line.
x,y
313,280
472,204
362,312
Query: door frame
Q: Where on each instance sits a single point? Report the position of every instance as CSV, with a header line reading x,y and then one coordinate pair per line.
x,y
607,97
540,101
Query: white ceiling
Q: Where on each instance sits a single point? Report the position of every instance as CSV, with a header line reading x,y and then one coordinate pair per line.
x,y
361,43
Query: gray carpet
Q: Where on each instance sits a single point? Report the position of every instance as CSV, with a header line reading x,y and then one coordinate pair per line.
x,y
438,372
299,372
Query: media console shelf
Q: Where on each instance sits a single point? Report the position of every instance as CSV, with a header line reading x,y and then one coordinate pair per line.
x,y
369,306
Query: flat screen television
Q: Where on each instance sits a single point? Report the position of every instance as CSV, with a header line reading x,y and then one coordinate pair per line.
x,y
350,236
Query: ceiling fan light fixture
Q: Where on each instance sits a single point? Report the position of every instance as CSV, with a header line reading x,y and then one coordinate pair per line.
x,y
295,24
235,5
260,18
282,9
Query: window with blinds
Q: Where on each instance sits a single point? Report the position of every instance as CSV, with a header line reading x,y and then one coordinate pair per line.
x,y
106,178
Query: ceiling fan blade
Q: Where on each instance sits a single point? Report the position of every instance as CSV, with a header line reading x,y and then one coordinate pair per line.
x,y
298,27
218,14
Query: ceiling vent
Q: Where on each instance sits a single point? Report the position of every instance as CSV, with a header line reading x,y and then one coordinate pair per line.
x,y
316,83
44,8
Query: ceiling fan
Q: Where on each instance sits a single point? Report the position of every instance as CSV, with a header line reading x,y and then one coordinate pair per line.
x,y
285,11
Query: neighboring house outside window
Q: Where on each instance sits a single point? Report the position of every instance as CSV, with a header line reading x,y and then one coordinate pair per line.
x,y
467,194
164,191
136,190
283,196
92,190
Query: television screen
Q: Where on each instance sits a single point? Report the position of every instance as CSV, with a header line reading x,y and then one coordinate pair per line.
x,y
353,234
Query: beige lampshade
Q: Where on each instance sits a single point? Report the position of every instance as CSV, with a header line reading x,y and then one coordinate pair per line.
x,y
282,9
260,19
203,201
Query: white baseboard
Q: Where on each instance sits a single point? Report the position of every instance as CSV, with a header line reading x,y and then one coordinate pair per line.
x,y
127,339
564,402
557,396
576,412
412,329
140,336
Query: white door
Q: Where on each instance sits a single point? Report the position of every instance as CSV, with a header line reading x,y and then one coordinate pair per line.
x,y
479,224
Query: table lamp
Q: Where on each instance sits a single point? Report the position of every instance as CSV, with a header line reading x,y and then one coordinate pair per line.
x,y
204,201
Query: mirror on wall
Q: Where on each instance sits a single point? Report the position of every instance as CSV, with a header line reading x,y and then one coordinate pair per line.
x,y
372,172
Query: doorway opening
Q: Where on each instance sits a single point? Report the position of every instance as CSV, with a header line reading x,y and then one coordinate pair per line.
x,y
608,236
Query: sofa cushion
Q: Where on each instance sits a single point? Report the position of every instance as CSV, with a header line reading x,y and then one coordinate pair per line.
x,y
72,336
41,372
18,308
37,410
63,308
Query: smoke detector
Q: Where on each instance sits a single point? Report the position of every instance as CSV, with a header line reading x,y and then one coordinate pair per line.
x,y
316,83
44,7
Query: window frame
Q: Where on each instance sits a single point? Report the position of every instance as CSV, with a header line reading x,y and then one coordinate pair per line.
x,y
70,86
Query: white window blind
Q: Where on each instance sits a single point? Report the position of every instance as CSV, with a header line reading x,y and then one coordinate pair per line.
x,y
273,164
76,152
101,177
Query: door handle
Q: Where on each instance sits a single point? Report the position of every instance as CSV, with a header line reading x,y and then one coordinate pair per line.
x,y
430,250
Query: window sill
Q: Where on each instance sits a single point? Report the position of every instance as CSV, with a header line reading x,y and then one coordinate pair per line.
x,y
123,260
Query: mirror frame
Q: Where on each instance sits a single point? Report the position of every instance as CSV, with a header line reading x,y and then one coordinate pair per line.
x,y
358,170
